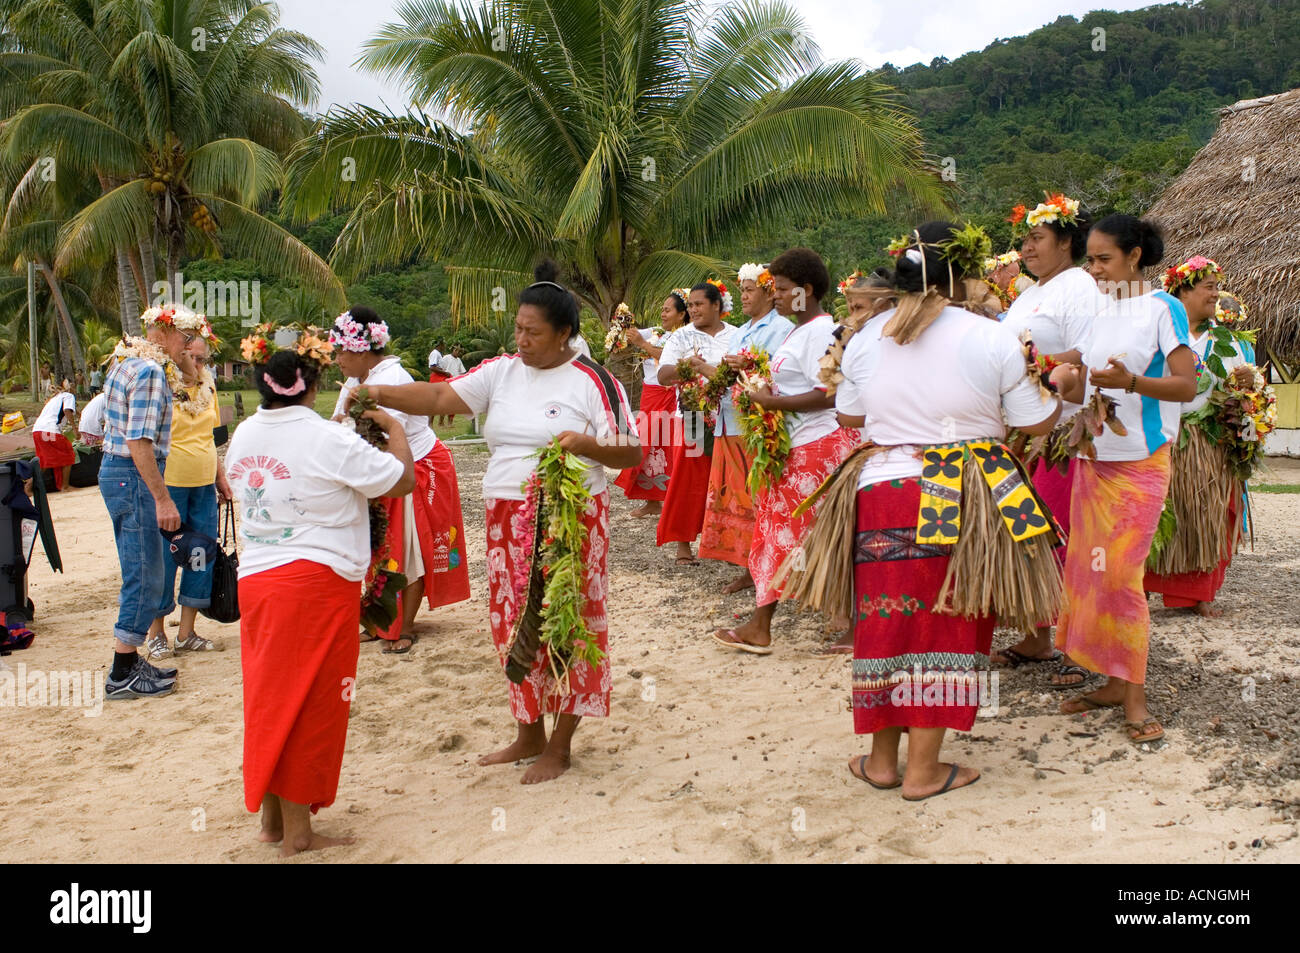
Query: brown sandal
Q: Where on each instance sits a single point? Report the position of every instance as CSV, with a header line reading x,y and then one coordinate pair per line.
x,y
1136,730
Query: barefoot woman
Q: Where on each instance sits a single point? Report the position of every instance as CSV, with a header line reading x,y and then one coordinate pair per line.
x,y
302,484
1138,354
546,390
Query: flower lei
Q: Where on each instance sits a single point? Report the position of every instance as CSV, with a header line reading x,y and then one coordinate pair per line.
x,y
197,403
762,430
1195,269
1057,208
691,388
1038,367
558,494
145,349
616,338
1238,417
351,335
383,580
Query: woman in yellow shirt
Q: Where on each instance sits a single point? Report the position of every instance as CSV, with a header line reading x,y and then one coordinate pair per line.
x,y
195,479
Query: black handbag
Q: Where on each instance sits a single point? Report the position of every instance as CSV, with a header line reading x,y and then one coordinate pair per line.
x,y
224,605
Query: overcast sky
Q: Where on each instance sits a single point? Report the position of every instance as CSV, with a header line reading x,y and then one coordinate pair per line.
x,y
901,32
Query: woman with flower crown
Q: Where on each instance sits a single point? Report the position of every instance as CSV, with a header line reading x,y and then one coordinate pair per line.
x,y
1056,313
196,481
662,429
818,444
426,532
700,346
1206,495
303,485
1138,351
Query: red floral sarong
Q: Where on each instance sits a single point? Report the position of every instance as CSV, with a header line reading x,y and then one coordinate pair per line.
x,y
660,431
54,452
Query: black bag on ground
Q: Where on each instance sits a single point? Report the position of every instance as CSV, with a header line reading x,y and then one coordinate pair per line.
x,y
224,605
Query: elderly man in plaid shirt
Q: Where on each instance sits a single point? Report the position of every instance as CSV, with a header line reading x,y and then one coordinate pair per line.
x,y
137,436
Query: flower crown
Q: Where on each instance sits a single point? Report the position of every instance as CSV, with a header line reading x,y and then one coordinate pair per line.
x,y
1001,261
726,295
310,345
1195,269
356,337
965,251
175,316
1058,208
844,286
751,271
1229,310
683,293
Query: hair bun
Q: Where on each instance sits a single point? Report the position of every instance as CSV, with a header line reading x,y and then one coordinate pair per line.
x,y
546,270
1153,244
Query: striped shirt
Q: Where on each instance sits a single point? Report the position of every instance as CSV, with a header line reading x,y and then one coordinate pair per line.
x,y
137,406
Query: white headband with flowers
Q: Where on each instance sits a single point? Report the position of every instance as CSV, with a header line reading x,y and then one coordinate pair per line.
x,y
351,335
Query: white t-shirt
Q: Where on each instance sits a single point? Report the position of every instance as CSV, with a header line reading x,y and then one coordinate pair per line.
x,y
1243,354
655,338
527,406
434,357
1145,330
688,340
795,365
451,364
955,382
419,435
301,484
579,344
49,418
92,418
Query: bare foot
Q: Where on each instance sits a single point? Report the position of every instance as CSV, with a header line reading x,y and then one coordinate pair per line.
x,y
314,842
548,767
520,749
740,583
924,787
1207,610
841,646
651,508
270,836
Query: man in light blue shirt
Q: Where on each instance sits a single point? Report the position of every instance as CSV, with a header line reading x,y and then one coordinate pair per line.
x,y
729,511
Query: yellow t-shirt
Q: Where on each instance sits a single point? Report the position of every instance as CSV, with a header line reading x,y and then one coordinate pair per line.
x,y
193,457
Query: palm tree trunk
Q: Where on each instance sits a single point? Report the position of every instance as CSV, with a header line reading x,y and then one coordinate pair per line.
x,y
67,330
127,295
147,265
174,264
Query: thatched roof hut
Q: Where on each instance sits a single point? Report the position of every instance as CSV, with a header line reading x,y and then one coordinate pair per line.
x,y
1238,202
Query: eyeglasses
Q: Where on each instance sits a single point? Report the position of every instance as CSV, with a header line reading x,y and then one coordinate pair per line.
x,y
200,361
188,337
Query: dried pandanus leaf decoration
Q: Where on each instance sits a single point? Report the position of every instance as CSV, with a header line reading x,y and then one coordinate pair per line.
x,y
1074,437
383,581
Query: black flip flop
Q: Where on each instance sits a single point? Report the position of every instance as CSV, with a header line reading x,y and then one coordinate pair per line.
x,y
862,766
947,785
1016,659
389,650
1071,669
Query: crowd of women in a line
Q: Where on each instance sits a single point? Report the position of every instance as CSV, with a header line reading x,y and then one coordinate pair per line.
x,y
911,414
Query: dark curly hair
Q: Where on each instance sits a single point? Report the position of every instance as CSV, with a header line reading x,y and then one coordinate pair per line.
x,y
803,266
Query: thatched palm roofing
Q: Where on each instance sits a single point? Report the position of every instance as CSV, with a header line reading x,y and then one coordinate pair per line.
x,y
1238,202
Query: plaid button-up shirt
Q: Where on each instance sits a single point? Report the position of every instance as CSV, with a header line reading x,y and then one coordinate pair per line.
x,y
137,406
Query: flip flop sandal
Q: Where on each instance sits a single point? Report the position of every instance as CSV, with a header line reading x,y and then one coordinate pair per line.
x,y
368,637
831,649
1138,726
1089,705
1016,659
862,766
947,785
742,646
389,650
1071,669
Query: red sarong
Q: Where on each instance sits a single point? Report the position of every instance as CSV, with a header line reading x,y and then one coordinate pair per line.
x,y
298,638
508,557
728,529
911,667
776,531
660,430
439,531
54,452
683,514
1185,589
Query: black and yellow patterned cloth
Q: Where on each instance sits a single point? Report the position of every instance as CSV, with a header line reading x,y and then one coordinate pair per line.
x,y
938,519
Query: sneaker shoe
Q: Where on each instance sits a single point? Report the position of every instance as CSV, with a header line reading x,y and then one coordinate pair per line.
x,y
162,674
140,682
197,643
157,647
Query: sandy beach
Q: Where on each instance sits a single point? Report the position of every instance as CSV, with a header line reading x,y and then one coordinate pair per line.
x,y
707,756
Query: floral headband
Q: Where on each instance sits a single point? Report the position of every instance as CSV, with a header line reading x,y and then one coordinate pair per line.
x,y
1193,270
844,286
682,293
726,295
1001,261
182,319
1058,208
1229,310
352,335
751,271
310,345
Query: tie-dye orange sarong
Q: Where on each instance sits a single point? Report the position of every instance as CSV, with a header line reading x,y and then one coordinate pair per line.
x,y
1114,509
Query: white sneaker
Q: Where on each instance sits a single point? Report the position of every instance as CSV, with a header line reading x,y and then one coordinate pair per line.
x,y
158,647
197,643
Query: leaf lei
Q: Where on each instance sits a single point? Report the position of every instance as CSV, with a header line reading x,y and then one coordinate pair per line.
x,y
763,431
1238,418
383,581
1074,437
558,491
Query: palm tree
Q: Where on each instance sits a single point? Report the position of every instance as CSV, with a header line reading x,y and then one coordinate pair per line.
x,y
629,139
173,109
